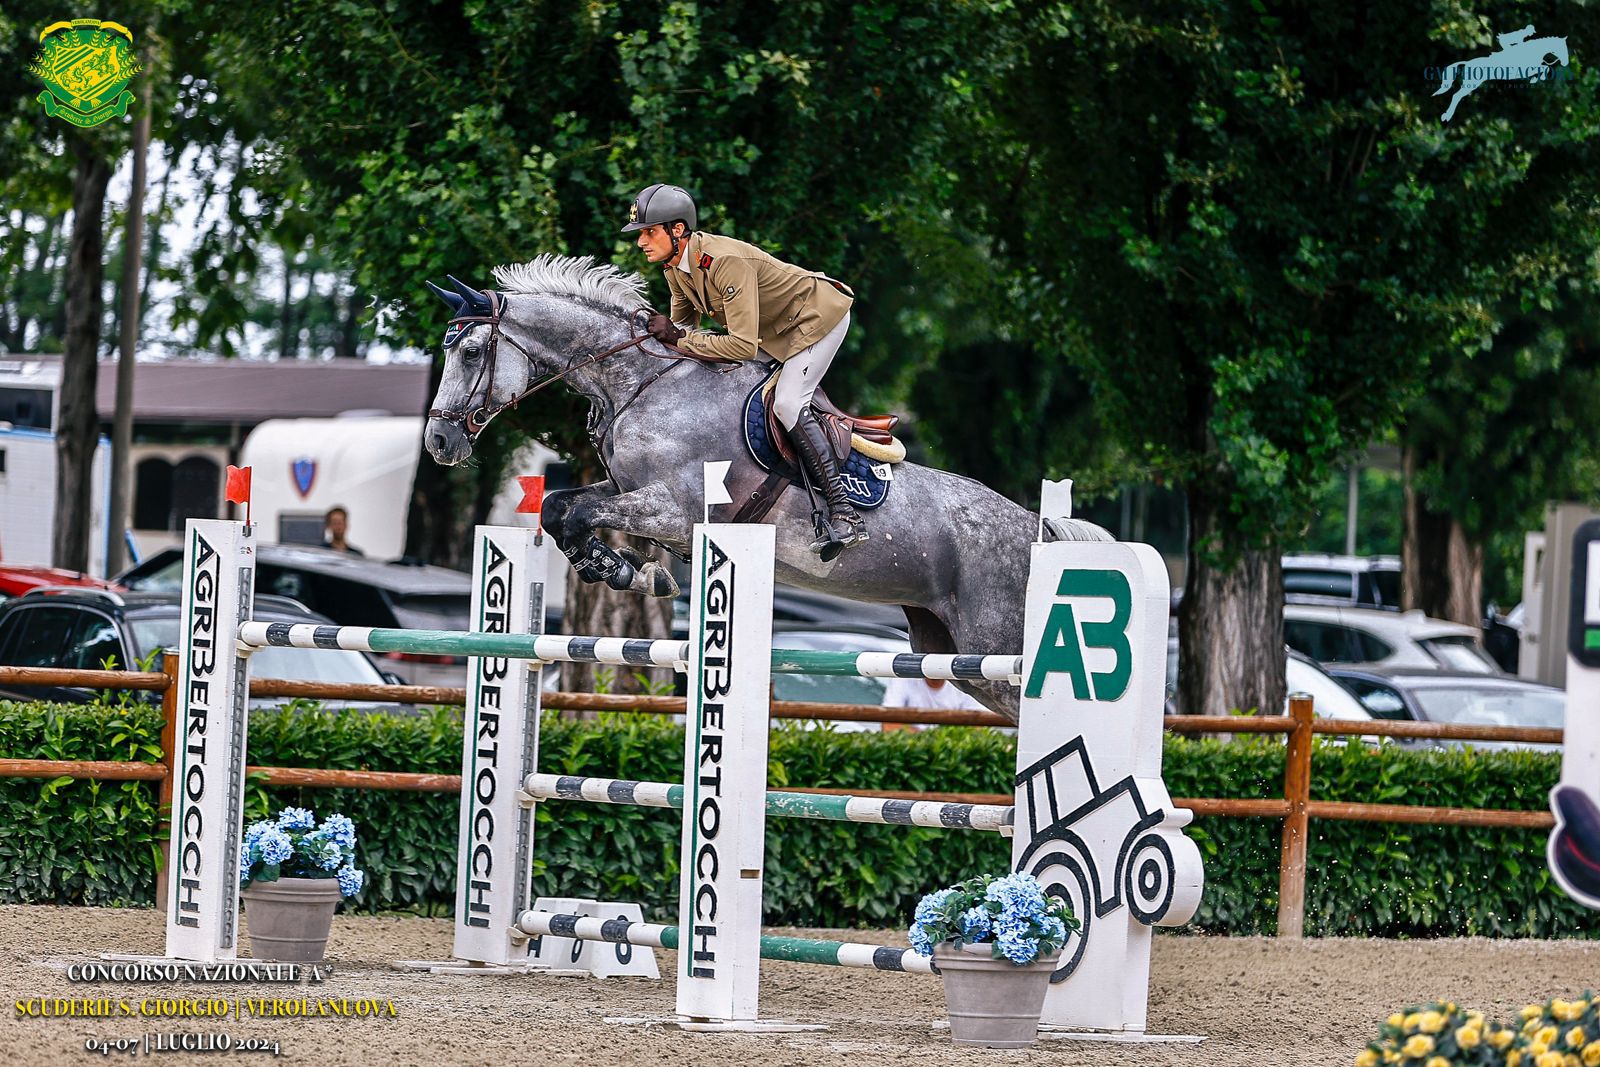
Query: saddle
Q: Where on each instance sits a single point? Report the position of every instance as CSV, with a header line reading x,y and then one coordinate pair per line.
x,y
871,435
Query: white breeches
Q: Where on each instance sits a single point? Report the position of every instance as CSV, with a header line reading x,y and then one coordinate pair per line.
x,y
802,372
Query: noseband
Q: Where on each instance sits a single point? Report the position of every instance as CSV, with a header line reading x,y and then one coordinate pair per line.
x,y
473,419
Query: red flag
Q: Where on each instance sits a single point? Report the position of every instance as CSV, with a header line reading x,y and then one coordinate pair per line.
x,y
238,491
532,494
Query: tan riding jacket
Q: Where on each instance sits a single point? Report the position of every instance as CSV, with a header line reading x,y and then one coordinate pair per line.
x,y
765,304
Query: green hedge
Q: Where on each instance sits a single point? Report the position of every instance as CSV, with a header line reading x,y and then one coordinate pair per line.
x,y
95,843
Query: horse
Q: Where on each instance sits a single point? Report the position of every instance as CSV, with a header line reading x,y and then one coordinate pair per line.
x,y
951,552
1523,61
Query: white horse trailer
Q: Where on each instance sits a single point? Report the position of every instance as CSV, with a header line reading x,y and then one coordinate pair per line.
x,y
28,498
364,464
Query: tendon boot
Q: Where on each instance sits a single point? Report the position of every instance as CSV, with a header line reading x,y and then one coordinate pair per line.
x,y
842,527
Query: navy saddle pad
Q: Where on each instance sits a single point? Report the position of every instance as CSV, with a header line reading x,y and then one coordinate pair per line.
x,y
866,481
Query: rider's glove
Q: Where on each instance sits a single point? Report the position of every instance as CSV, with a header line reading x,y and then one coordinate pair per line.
x,y
662,329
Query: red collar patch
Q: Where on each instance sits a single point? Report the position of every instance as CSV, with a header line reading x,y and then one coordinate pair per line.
x,y
705,261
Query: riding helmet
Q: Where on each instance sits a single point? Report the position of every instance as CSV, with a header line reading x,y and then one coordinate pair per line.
x,y
661,205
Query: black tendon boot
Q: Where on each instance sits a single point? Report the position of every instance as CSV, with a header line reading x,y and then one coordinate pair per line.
x,y
844,527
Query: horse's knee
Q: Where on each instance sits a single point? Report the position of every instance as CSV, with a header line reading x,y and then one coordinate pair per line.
x,y
556,513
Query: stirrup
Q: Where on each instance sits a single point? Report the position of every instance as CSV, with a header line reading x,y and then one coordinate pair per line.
x,y
836,534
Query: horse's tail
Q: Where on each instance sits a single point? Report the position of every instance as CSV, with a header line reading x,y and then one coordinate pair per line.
x,y
1448,78
1075,530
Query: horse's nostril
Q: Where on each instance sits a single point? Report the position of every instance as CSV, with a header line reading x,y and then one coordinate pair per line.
x,y
436,442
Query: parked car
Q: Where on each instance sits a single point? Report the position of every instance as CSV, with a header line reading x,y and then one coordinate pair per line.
x,y
89,629
1408,695
794,605
1347,581
18,578
1329,699
1384,638
834,637
354,591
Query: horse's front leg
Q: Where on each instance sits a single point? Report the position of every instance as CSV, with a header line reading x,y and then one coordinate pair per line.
x,y
573,515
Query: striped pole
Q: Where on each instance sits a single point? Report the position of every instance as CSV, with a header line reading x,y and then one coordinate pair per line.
x,y
623,651
879,810
793,949
898,665
550,648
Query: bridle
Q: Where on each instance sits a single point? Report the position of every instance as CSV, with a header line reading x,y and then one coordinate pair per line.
x,y
473,419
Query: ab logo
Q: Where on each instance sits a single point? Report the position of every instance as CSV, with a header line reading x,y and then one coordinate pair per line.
x,y
1061,646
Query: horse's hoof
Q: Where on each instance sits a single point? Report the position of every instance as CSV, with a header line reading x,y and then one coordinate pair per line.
x,y
621,579
658,580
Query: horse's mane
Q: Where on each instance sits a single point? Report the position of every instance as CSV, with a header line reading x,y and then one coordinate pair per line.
x,y
578,276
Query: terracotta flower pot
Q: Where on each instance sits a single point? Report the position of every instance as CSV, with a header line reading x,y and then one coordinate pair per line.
x,y
992,1002
289,919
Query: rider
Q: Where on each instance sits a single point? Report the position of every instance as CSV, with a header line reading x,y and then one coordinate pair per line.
x,y
798,317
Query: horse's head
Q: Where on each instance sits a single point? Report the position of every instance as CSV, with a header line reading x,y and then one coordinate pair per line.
x,y
492,354
480,380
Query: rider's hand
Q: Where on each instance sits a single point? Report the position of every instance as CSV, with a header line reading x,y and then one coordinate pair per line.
x,y
662,329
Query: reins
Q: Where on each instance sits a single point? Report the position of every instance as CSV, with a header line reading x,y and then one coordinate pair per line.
x,y
473,420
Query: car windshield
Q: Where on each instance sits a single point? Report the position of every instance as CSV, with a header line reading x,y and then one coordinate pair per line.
x,y
1499,706
1329,699
420,611
298,664
828,689
165,579
1460,654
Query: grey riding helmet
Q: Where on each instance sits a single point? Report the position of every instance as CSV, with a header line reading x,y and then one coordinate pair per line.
x,y
661,205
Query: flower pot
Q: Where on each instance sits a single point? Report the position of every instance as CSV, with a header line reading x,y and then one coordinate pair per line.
x,y
992,1002
289,919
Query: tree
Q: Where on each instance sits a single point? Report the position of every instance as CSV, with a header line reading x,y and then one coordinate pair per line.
x,y
1497,434
1251,233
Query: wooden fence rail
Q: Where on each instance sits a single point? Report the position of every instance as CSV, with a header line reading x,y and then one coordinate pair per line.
x,y
1295,807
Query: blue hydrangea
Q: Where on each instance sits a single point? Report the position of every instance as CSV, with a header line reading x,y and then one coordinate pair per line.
x,y
276,847
1018,949
1019,892
920,941
1054,929
975,924
296,819
252,837
930,906
244,866
341,830
321,850
351,881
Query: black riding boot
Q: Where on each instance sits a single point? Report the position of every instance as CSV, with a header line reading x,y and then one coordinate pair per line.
x,y
842,527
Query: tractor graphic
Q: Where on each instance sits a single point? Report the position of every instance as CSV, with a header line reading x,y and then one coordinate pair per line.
x,y
1104,848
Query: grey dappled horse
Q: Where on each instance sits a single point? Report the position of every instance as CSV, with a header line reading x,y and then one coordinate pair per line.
x,y
952,552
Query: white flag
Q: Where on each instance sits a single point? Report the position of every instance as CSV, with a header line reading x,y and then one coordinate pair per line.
x,y
716,491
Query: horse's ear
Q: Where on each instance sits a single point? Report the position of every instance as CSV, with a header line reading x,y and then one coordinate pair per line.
x,y
477,300
448,297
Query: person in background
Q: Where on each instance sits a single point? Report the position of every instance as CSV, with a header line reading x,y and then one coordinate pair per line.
x,y
335,524
924,693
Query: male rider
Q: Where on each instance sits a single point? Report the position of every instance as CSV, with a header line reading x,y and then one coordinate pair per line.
x,y
798,317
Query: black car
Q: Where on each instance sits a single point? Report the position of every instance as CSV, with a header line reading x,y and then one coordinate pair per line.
x,y
93,629
354,591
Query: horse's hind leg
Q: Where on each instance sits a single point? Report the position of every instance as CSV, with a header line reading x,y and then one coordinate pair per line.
x,y
573,516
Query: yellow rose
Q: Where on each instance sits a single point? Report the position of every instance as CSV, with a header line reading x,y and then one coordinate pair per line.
x,y
1547,1036
1558,1008
1576,1037
1396,1019
1467,1036
1391,1056
1418,1046
1513,1058
1431,1023
1569,1060
1548,1059
1532,1011
1536,1049
1410,1022
1366,1058
1437,1061
1591,1054
1501,1038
